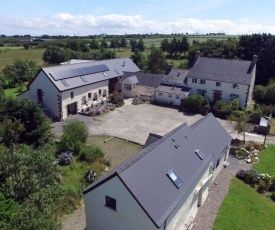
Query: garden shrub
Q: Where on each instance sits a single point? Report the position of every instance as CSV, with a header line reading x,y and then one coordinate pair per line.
x,y
65,158
272,184
91,154
251,177
194,103
116,98
272,196
241,174
263,186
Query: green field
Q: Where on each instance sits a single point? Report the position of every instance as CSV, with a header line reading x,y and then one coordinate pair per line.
x,y
245,209
9,54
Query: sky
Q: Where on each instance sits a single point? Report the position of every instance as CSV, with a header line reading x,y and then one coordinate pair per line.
x,y
92,17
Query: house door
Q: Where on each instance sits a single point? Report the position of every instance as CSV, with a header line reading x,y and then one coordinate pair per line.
x,y
72,108
84,100
217,95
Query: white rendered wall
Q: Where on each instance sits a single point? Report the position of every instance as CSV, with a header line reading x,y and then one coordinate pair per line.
x,y
50,93
223,157
165,99
128,214
80,92
226,88
187,208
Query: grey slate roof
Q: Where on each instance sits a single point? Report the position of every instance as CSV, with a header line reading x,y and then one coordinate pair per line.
x,y
223,70
151,139
175,75
130,80
145,79
183,90
144,174
115,67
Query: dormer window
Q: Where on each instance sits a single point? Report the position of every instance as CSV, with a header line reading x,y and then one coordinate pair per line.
x,y
202,81
218,84
194,80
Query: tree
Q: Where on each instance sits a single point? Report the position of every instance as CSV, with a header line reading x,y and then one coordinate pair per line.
x,y
164,45
184,45
30,178
133,44
123,43
75,134
139,59
103,44
19,71
26,46
140,45
36,129
54,55
156,61
240,120
94,44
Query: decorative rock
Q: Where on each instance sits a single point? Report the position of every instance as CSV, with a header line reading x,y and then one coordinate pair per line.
x,y
248,161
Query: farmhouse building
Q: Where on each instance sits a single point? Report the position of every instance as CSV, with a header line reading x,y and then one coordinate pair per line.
x,y
223,79
65,89
163,185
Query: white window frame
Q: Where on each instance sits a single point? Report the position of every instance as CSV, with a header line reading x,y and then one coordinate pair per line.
x,y
194,80
201,92
218,84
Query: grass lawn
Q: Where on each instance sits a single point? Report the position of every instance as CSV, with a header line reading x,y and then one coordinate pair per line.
x,y
267,161
8,55
272,127
116,150
14,91
245,209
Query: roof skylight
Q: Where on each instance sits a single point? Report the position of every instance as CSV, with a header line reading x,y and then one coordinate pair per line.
x,y
174,178
65,83
200,154
83,78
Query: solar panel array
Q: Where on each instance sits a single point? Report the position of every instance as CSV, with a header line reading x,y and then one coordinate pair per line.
x,y
65,74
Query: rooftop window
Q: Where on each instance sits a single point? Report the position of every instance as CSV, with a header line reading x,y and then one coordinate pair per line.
x,y
83,78
65,83
200,154
174,178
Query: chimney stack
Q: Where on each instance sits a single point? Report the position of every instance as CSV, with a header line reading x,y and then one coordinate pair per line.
x,y
254,60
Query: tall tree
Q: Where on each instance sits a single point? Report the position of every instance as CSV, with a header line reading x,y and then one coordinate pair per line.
x,y
156,61
140,60
54,55
19,71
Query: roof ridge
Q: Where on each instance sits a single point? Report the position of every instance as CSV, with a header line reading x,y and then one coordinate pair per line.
x,y
194,125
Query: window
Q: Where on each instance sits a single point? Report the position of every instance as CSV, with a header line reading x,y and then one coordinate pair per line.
x,y
160,94
177,96
200,154
127,86
202,81
218,84
110,202
201,92
233,96
89,96
234,86
169,95
105,74
174,178
104,92
72,95
194,80
99,91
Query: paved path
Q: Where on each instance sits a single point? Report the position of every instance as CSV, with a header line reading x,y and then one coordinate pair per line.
x,y
208,211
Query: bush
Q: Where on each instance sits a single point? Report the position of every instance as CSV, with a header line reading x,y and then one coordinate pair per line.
x,y
75,134
251,177
272,196
194,103
272,184
241,174
91,154
263,186
65,158
116,99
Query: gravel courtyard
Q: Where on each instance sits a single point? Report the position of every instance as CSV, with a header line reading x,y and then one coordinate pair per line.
x,y
135,122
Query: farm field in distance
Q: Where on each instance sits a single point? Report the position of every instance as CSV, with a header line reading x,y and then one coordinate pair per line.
x,y
9,54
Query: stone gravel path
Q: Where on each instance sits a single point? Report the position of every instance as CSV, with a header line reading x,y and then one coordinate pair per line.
x,y
208,211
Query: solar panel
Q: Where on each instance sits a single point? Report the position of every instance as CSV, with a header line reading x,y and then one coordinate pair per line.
x,y
65,74
200,154
65,83
83,78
